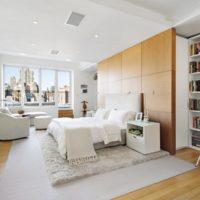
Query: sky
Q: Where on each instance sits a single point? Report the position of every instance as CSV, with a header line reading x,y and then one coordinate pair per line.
x,y
48,76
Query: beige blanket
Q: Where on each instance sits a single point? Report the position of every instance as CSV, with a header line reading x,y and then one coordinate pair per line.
x,y
80,147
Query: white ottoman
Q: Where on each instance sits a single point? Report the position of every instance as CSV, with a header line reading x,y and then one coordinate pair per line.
x,y
42,122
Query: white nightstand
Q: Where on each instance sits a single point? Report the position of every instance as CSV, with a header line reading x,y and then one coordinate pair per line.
x,y
143,137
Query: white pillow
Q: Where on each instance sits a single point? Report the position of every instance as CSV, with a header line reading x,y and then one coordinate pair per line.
x,y
130,116
117,116
121,116
5,110
102,113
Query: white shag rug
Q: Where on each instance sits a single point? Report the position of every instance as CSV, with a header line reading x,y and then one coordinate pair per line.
x,y
59,170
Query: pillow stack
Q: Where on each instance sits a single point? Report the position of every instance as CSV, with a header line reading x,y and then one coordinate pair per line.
x,y
121,116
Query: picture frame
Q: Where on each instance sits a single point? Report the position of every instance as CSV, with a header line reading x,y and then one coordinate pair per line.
x,y
138,116
84,88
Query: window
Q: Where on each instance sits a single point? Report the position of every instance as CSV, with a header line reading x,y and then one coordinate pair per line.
x,y
35,86
31,86
48,87
64,80
13,85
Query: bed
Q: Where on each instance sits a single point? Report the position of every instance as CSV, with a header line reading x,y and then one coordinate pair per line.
x,y
108,127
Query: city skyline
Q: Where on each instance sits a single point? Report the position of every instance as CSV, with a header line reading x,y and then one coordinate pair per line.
x,y
13,77
46,82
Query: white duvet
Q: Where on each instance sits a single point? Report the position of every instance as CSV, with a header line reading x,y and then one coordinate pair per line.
x,y
101,130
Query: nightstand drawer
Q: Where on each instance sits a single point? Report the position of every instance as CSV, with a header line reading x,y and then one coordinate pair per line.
x,y
135,142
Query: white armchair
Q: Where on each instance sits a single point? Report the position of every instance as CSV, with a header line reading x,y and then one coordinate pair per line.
x,y
13,127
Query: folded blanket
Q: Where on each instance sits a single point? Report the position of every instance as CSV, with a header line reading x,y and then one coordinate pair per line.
x,y
79,145
110,133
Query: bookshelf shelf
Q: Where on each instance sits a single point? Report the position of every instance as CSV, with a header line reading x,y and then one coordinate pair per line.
x,y
195,73
195,129
195,111
196,38
195,147
194,92
195,56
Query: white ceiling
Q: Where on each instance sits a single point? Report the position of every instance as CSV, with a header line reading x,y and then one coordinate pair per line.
x,y
119,24
173,10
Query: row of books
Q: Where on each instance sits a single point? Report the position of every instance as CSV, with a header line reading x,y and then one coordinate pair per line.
x,y
195,49
194,104
196,122
194,86
194,67
196,139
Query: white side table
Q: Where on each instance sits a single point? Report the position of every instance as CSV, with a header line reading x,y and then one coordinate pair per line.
x,y
143,137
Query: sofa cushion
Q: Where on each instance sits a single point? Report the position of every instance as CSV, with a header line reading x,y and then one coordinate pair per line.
x,y
5,110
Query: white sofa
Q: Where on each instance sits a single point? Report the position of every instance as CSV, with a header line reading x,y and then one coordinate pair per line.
x,y
13,127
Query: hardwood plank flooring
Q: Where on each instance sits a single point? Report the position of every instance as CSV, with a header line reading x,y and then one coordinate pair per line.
x,y
182,187
4,152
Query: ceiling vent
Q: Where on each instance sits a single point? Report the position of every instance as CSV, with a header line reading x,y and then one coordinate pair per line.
x,y
54,52
75,19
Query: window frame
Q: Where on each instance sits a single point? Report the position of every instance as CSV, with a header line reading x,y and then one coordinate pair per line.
x,y
39,103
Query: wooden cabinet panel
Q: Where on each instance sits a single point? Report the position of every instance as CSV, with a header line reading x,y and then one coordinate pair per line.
x,y
101,101
157,91
103,71
115,68
115,87
157,54
131,85
102,88
65,113
170,48
131,62
167,130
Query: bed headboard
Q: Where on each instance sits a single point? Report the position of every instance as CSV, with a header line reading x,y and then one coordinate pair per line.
x,y
124,101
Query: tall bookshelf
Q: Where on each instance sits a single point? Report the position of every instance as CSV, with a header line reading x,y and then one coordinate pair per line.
x,y
194,92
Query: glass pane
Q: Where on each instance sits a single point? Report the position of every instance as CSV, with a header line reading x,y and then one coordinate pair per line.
x,y
64,86
31,86
48,87
12,85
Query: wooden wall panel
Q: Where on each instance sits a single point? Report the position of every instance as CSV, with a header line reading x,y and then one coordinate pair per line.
x,y
115,87
157,90
157,53
167,139
103,71
131,85
131,62
102,88
101,101
115,68
149,67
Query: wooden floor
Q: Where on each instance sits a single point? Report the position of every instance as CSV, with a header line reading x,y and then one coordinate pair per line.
x,y
182,187
4,151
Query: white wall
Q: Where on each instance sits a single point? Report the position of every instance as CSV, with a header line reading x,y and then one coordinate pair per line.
x,y
79,77
181,92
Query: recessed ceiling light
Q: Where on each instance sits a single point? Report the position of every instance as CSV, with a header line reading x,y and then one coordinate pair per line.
x,y
23,54
96,36
54,52
35,22
68,60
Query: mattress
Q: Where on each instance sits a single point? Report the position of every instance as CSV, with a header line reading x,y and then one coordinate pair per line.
x,y
101,145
